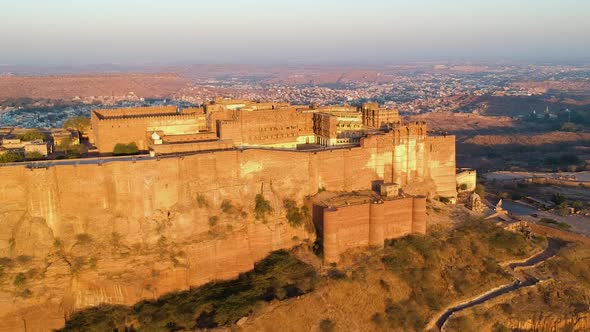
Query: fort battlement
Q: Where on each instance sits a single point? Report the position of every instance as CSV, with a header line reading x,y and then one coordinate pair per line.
x,y
368,223
131,111
151,117
403,153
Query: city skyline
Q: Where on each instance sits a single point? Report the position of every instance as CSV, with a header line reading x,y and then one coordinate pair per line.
x,y
61,32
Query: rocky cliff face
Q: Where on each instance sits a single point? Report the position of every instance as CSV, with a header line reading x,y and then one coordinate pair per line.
x,y
74,237
124,259
77,236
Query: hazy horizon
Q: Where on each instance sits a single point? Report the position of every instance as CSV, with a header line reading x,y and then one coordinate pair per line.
x,y
67,32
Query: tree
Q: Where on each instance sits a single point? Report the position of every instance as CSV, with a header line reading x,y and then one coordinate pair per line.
x,y
79,123
31,135
125,149
70,149
563,209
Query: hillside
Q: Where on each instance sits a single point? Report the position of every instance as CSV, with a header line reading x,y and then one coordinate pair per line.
x,y
68,87
562,303
400,287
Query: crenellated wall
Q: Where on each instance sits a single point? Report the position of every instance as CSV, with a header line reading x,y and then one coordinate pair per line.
x,y
361,225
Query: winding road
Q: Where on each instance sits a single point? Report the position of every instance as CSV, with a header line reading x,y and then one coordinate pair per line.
x,y
522,280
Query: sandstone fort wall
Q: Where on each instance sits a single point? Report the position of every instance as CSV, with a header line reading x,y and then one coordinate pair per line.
x,y
360,225
148,200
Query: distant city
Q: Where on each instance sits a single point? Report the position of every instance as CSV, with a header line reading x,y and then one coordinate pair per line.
x,y
442,88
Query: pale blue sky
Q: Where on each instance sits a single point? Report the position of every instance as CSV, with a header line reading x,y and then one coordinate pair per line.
x,y
314,31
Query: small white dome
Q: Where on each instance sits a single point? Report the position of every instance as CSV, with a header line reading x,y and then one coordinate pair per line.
x,y
155,136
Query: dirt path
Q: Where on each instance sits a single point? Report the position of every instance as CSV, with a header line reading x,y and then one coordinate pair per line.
x,y
522,279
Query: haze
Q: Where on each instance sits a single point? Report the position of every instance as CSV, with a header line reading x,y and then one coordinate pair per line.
x,y
41,32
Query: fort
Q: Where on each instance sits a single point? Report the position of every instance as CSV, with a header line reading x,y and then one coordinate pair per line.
x,y
225,153
401,153
241,123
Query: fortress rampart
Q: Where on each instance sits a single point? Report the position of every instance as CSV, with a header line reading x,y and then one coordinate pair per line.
x,y
370,224
148,200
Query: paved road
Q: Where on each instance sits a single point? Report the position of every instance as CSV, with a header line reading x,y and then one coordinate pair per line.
x,y
517,208
580,224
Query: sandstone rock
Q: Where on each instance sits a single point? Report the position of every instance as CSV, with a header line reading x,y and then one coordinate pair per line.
x,y
475,204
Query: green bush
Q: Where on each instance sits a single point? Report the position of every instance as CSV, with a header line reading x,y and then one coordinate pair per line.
x,y
11,156
125,149
19,280
227,207
262,207
77,264
202,201
34,156
295,215
25,293
70,149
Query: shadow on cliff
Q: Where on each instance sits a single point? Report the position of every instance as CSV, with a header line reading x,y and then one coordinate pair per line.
x,y
279,276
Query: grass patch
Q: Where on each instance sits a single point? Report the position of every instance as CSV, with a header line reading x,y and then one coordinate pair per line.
x,y
448,265
553,222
